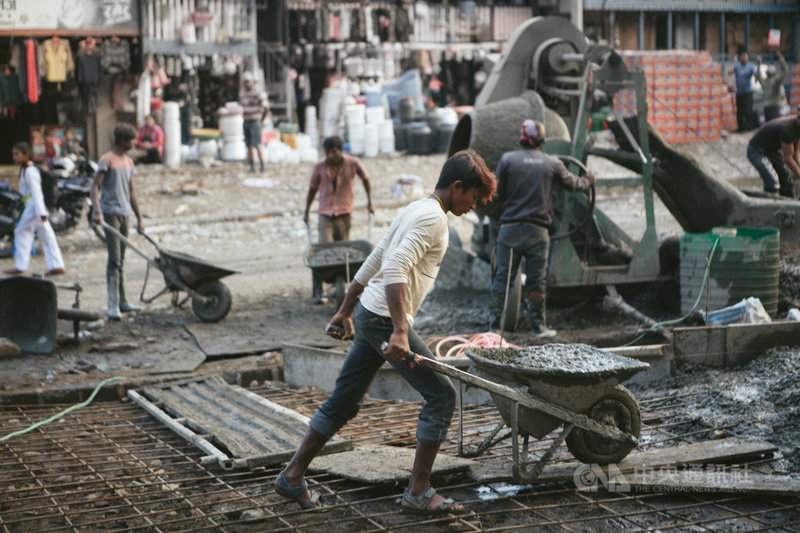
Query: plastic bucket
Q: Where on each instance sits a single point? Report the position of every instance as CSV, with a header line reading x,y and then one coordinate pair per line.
x,y
745,263
371,140
443,135
375,115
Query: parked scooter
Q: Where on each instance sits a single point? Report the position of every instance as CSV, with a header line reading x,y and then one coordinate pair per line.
x,y
74,189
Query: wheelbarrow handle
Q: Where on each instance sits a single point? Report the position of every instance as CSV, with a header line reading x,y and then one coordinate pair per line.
x,y
523,398
129,244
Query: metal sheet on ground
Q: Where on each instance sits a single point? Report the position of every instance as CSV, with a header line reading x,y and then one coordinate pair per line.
x,y
258,331
383,464
248,429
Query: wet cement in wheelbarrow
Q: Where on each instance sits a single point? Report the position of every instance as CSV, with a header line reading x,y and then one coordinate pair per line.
x,y
338,255
559,359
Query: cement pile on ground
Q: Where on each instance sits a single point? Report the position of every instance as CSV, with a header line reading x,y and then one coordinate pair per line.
x,y
789,281
761,399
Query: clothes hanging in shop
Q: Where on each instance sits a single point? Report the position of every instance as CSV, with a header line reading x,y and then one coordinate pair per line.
x,y
58,61
32,71
115,56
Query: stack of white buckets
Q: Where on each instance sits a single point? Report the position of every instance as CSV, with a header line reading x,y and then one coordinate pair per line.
x,y
231,124
368,130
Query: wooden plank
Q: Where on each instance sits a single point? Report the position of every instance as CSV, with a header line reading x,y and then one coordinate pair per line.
x,y
711,452
730,481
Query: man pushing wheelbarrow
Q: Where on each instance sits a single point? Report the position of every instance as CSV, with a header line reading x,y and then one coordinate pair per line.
x,y
379,307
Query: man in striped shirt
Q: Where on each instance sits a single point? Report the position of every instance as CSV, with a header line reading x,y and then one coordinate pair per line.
x,y
254,110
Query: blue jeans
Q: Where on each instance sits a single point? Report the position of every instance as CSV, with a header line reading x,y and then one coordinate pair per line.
x,y
359,369
529,241
772,169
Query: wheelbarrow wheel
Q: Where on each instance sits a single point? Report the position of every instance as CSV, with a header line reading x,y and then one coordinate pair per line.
x,y
217,301
341,289
618,408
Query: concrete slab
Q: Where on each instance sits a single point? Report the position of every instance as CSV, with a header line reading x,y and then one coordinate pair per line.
x,y
731,345
318,367
658,356
383,464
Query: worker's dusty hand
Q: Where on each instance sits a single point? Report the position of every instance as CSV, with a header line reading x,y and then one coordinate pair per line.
x,y
591,177
44,218
97,217
305,217
340,327
370,209
139,226
398,348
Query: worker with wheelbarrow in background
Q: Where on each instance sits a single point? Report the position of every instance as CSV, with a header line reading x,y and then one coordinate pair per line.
x,y
379,308
113,199
524,190
334,178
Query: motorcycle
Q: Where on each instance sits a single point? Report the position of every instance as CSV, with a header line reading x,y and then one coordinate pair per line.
x,y
74,190
67,199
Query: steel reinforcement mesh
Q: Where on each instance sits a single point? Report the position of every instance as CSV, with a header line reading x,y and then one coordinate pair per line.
x,y
112,467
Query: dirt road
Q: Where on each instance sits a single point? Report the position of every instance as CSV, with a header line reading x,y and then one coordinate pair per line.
x,y
253,224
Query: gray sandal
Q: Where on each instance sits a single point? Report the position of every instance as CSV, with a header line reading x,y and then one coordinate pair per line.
x,y
290,492
419,504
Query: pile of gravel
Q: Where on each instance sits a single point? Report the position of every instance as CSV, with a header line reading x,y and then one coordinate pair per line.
x,y
760,399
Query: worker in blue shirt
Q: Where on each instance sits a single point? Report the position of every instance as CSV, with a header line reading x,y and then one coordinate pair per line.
x,y
744,72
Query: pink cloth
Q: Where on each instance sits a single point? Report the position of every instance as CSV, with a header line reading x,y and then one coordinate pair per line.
x,y
339,201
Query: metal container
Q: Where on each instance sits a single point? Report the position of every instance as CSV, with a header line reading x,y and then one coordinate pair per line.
x,y
28,312
745,263
419,139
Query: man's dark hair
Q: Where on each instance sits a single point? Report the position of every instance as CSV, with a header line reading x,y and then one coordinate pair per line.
x,y
470,168
124,132
332,142
23,148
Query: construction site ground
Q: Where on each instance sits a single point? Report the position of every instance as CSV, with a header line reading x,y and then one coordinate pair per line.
x,y
253,224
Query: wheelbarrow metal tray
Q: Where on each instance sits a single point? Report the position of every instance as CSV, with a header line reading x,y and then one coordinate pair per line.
x,y
330,259
190,270
573,376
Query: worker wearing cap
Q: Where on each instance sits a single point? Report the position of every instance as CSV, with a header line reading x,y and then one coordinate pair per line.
x,y
254,110
773,150
524,190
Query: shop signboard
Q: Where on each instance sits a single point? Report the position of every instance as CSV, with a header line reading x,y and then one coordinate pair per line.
x,y
69,14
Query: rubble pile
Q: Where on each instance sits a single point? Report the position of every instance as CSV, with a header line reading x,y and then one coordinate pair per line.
x,y
760,399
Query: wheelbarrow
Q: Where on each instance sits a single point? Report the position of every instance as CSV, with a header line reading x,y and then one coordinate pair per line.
x,y
211,299
538,388
335,262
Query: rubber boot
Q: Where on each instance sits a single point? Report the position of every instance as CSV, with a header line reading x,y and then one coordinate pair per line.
x,y
124,305
496,310
112,281
536,308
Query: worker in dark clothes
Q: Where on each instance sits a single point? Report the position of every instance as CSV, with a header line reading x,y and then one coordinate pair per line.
x,y
524,190
773,150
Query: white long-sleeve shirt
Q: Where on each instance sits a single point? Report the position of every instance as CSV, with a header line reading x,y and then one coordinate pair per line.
x,y
410,252
30,184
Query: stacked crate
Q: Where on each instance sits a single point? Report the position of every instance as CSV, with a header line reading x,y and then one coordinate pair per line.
x,y
687,99
794,91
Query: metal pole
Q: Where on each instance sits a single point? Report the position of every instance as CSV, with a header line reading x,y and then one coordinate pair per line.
x,y
670,43
697,30
505,301
641,30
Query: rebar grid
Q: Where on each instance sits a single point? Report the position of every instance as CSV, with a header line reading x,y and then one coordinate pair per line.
x,y
111,467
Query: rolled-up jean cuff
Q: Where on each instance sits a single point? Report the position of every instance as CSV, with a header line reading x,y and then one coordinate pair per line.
x,y
323,425
432,433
